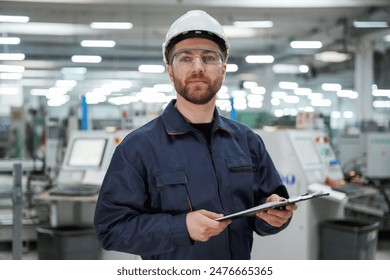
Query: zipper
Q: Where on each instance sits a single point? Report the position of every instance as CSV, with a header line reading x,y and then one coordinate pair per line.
x,y
209,148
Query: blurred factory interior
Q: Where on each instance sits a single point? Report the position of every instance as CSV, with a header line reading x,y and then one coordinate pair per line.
x,y
310,77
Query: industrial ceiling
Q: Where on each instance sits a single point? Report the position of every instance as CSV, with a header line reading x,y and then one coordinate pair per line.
x,y
55,30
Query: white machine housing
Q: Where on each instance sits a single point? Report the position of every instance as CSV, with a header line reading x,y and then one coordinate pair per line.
x,y
304,158
87,157
85,163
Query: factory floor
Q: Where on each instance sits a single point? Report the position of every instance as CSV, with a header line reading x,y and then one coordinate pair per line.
x,y
30,251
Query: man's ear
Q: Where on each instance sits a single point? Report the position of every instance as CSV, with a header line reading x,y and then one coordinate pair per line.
x,y
170,71
224,67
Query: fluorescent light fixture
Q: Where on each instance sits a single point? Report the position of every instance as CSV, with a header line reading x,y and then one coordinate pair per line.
x,y
290,111
66,83
259,59
335,115
111,25
321,102
123,100
223,89
302,91
249,84
163,87
231,68
254,24
279,113
236,32
381,92
38,92
86,59
223,104
308,109
332,56
288,85
58,101
306,44
387,38
240,103
12,56
14,19
258,90
289,69
331,87
348,114
9,90
303,68
315,95
223,95
12,68
151,68
292,99
255,104
347,94
370,24
381,104
11,76
9,40
95,98
55,91
74,71
98,43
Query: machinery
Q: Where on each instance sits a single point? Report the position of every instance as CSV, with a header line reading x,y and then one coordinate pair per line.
x,y
72,199
65,230
368,161
305,159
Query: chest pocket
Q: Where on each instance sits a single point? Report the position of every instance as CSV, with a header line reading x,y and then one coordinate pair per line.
x,y
172,188
242,175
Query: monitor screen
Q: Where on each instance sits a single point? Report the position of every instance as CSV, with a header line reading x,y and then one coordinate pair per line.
x,y
87,152
378,155
306,152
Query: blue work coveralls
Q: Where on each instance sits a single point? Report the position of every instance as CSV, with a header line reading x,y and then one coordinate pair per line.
x,y
165,169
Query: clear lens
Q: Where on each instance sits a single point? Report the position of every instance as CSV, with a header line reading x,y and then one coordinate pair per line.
x,y
187,57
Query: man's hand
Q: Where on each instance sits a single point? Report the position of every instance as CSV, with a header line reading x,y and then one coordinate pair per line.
x,y
276,217
201,225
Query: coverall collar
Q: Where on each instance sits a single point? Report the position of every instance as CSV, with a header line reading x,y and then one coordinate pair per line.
x,y
176,124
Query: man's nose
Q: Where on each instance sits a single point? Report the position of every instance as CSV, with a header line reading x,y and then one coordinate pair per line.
x,y
198,63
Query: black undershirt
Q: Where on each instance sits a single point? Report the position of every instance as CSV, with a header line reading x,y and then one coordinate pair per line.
x,y
205,128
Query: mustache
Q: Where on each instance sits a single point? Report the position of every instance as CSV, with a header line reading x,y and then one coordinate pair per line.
x,y
198,77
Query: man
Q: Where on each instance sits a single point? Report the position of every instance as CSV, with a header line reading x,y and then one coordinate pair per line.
x,y
170,180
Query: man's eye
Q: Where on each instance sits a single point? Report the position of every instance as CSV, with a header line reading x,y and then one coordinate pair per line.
x,y
209,58
186,59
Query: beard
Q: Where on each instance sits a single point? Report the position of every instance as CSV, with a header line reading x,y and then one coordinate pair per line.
x,y
200,92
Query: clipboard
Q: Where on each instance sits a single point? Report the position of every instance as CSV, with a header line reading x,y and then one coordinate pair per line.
x,y
274,204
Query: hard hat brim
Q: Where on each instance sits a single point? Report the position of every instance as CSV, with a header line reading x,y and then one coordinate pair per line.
x,y
197,34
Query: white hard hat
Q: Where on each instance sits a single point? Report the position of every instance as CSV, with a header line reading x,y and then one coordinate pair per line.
x,y
195,23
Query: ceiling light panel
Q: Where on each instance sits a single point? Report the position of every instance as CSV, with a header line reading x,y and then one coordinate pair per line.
x,y
254,24
15,19
259,59
111,25
370,24
306,44
12,56
98,43
86,59
9,40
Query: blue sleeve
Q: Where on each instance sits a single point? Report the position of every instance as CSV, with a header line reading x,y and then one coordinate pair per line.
x,y
122,219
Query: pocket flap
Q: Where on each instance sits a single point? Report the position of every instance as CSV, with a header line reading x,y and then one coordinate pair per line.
x,y
171,178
